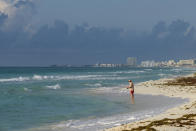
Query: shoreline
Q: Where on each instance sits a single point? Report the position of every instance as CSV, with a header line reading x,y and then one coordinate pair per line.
x,y
159,87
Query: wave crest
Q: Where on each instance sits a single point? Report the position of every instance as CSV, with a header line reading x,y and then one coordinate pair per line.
x,y
15,79
57,86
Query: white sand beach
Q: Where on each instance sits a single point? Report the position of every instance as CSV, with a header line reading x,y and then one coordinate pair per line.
x,y
181,118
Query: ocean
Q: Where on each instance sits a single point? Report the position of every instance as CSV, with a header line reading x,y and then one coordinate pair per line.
x,y
78,98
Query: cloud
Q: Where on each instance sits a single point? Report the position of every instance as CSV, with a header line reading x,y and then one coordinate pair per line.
x,y
87,44
19,13
24,3
3,6
178,26
3,17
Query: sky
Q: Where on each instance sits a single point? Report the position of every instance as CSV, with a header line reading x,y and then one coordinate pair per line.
x,y
132,14
48,32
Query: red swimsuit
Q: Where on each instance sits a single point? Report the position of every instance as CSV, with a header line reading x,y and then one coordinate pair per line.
x,y
132,92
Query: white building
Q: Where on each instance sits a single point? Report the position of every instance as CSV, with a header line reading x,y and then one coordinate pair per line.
x,y
131,61
171,63
189,62
148,64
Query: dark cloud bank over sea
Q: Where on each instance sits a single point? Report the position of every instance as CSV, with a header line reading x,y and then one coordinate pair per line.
x,y
84,44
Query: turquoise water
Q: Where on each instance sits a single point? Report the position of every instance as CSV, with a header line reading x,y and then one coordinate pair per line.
x,y
32,97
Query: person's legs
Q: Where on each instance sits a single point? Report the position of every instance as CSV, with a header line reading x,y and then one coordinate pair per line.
x,y
132,96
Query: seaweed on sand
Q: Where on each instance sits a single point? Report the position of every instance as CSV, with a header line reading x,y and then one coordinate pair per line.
x,y
183,81
194,74
178,122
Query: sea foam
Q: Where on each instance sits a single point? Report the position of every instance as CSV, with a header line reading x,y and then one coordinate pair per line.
x,y
44,77
129,72
106,122
37,77
15,79
57,86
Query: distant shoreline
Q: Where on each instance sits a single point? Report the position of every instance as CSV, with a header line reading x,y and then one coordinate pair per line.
x,y
92,66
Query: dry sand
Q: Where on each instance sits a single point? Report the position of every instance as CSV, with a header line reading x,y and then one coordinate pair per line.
x,y
181,118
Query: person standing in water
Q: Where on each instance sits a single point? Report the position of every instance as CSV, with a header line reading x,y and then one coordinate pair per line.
x,y
131,88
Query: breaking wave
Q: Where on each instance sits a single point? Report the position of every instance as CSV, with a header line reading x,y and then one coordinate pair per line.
x,y
63,77
128,72
97,124
14,79
57,86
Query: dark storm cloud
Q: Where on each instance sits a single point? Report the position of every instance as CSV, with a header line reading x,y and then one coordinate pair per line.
x,y
13,24
84,44
3,17
51,37
21,3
